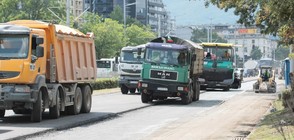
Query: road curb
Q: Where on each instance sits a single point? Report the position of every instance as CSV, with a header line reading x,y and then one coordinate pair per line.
x,y
82,123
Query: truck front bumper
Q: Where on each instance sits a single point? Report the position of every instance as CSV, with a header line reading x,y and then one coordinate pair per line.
x,y
10,97
129,81
163,89
216,84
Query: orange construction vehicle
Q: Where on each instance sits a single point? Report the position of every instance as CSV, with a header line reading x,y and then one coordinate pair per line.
x,y
43,65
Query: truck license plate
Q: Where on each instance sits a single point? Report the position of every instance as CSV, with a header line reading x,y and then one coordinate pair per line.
x,y
134,82
162,88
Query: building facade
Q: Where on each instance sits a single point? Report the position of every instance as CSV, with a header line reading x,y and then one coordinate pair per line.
x,y
247,39
148,12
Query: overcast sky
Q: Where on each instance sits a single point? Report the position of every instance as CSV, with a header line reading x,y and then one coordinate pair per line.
x,y
194,12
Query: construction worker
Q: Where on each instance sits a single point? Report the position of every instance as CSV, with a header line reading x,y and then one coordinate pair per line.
x,y
227,55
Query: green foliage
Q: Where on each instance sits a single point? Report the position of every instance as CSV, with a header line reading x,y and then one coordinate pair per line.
x,y
256,53
103,84
109,35
282,52
117,14
29,9
200,35
138,35
272,16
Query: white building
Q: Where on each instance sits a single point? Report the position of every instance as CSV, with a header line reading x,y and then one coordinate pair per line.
x,y
247,38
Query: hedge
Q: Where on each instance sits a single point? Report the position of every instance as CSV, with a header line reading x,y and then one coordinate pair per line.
x,y
103,84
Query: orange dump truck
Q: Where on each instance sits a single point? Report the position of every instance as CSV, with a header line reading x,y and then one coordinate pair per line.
x,y
43,65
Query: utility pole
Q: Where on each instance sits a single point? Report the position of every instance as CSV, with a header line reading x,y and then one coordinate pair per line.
x,y
159,26
67,12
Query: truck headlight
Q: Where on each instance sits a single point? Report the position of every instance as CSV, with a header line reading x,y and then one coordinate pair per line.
x,y
20,88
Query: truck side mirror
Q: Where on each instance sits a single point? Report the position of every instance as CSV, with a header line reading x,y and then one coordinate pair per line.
x,y
39,51
193,57
116,60
139,51
39,40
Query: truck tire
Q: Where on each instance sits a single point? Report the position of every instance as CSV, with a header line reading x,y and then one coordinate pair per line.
x,y
2,113
226,88
145,98
87,99
124,89
186,99
36,115
197,92
194,92
77,105
132,90
54,112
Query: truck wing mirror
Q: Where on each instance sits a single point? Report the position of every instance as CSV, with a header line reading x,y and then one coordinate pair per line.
x,y
116,60
139,51
39,40
193,57
39,51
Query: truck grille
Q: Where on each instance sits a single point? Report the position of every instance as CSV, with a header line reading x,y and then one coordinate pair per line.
x,y
6,74
218,75
131,71
165,75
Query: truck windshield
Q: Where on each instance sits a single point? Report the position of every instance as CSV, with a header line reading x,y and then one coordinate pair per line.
x,y
219,53
130,57
103,63
14,46
169,57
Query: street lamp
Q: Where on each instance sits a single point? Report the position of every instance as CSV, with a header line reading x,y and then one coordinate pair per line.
x,y
124,7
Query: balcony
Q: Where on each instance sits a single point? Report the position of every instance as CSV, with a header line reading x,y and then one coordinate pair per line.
x,y
155,3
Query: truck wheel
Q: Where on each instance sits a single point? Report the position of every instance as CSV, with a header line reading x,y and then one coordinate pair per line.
x,y
226,88
36,115
145,98
124,89
76,107
194,97
54,112
87,99
202,88
197,92
2,113
133,90
185,99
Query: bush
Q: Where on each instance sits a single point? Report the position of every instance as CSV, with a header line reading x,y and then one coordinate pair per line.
x,y
288,99
103,84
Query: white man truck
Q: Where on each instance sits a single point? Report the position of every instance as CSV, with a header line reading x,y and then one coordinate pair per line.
x,y
130,67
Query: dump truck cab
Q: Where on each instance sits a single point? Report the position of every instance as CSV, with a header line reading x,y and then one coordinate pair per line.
x,y
171,69
130,66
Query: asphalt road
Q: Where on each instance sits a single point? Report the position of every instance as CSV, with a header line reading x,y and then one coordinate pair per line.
x,y
118,116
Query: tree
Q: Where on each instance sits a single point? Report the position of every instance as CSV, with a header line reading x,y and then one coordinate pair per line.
x,y
109,37
272,16
200,35
281,52
255,53
138,35
117,14
29,9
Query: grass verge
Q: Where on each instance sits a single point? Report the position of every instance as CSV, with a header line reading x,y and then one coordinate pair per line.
x,y
277,125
